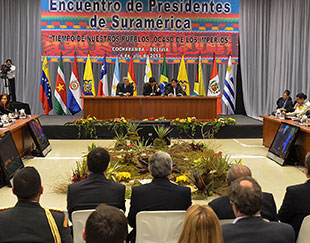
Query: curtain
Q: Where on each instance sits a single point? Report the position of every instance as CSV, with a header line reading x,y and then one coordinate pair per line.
x,y
274,51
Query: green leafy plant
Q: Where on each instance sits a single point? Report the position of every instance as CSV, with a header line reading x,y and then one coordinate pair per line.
x,y
161,132
120,141
132,133
187,126
86,127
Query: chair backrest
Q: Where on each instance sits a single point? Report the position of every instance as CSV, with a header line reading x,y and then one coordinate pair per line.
x,y
304,233
159,226
79,219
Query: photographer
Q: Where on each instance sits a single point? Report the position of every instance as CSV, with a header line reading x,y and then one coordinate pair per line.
x,y
11,78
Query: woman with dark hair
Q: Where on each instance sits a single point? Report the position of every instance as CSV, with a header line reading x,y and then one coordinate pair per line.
x,y
5,105
285,102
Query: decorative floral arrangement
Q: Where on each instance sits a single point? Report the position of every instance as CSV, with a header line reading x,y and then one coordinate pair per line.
x,y
123,176
119,125
187,125
86,127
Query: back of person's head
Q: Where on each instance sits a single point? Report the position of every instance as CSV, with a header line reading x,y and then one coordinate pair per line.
x,y
160,164
247,195
307,163
106,225
98,160
201,225
152,80
26,183
301,96
237,171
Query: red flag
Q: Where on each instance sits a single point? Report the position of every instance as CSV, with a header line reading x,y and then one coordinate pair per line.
x,y
214,86
131,76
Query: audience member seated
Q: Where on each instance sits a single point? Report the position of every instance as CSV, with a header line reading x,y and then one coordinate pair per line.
x,y
174,89
160,194
301,107
106,225
249,227
223,208
285,102
296,203
96,189
201,225
125,88
5,106
27,221
151,88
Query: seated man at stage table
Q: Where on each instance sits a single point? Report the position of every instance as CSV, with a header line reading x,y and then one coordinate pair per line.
x,y
27,221
285,102
223,208
174,89
246,197
151,88
125,88
160,194
96,189
301,107
296,202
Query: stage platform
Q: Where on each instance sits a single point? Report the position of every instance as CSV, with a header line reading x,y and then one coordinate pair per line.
x,y
54,128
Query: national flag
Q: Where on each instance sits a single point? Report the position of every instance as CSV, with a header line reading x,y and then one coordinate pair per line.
x,y
214,86
103,83
182,77
116,77
163,77
148,70
229,89
45,88
131,76
88,79
199,88
74,102
60,100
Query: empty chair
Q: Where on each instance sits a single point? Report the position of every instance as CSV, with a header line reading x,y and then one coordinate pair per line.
x,y
79,219
304,233
159,226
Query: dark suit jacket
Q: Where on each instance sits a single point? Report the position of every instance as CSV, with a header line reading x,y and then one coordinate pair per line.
x,y
296,205
7,110
223,208
27,222
160,194
121,90
96,189
147,89
288,105
169,89
256,230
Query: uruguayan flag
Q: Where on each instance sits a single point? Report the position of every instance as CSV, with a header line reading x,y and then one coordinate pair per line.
x,y
229,89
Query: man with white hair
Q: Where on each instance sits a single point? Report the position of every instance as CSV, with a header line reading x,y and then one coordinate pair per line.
x,y
160,194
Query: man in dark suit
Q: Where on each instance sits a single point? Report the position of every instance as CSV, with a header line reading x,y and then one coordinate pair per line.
x,y
151,88
125,88
249,227
296,203
27,221
160,194
223,208
285,102
96,189
174,89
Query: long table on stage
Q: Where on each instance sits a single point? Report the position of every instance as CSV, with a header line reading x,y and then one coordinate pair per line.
x,y
140,107
21,135
270,128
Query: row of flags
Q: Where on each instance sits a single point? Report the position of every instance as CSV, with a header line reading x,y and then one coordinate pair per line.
x,y
73,102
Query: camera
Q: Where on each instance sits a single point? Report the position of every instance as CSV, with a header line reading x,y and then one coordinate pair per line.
x,y
4,71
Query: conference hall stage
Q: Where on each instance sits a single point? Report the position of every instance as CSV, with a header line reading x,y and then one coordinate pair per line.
x,y
54,128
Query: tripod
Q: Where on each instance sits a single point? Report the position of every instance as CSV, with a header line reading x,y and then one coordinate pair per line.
x,y
6,86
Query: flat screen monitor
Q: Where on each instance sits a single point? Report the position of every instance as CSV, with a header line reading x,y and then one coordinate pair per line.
x,y
283,142
9,156
39,138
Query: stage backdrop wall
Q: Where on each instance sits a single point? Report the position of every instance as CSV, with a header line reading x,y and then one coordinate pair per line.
x,y
274,52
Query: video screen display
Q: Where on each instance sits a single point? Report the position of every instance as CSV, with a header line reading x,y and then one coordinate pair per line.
x,y
284,140
9,155
38,136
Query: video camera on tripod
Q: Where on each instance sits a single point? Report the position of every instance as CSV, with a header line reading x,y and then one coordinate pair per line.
x,y
4,71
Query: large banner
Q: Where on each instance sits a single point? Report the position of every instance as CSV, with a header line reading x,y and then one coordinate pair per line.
x,y
140,28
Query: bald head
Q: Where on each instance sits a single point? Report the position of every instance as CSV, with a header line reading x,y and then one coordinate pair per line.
x,y
237,171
